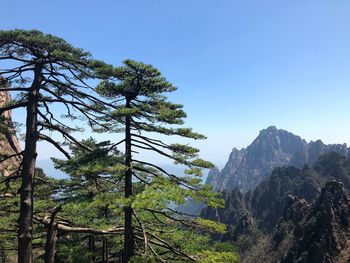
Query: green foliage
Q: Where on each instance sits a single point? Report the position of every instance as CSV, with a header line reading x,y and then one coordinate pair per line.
x,y
8,215
90,195
31,44
214,257
93,187
211,226
46,189
36,41
200,246
72,251
159,195
149,82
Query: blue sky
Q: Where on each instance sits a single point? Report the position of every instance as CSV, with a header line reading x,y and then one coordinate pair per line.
x,y
240,66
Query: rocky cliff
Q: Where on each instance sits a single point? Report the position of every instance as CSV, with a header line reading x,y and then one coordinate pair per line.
x,y
323,234
272,148
9,144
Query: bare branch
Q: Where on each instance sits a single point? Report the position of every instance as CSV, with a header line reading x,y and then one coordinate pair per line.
x,y
54,143
71,229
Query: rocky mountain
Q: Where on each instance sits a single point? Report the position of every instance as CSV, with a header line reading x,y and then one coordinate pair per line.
x,y
272,148
293,215
9,144
323,233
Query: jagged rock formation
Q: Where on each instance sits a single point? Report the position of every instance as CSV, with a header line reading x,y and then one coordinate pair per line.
x,y
295,209
8,141
235,208
270,197
293,215
326,231
272,148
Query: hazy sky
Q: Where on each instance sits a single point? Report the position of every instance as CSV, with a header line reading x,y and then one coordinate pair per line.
x,y
240,66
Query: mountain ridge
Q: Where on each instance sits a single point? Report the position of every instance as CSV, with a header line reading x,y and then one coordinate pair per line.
x,y
272,148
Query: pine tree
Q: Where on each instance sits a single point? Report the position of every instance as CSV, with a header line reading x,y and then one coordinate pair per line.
x,y
45,70
143,112
91,191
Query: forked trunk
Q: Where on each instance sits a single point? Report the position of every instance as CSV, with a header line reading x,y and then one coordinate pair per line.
x,y
51,238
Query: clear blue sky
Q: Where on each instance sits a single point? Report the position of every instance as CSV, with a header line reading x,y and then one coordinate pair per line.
x,y
240,66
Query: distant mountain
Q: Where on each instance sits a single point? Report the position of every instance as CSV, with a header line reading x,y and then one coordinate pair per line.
x,y
49,169
247,167
272,148
293,215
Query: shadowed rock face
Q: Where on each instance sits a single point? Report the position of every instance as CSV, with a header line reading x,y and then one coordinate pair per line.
x,y
234,210
295,209
272,148
8,141
271,196
325,232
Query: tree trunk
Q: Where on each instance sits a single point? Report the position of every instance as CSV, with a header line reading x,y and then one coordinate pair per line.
x,y
51,238
25,221
2,255
105,241
92,248
129,234
105,250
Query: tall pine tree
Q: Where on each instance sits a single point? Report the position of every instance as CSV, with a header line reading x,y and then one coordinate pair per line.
x,y
145,115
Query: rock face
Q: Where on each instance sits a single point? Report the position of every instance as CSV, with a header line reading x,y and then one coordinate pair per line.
x,y
271,196
235,214
272,148
8,141
325,232
295,209
213,177
235,208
